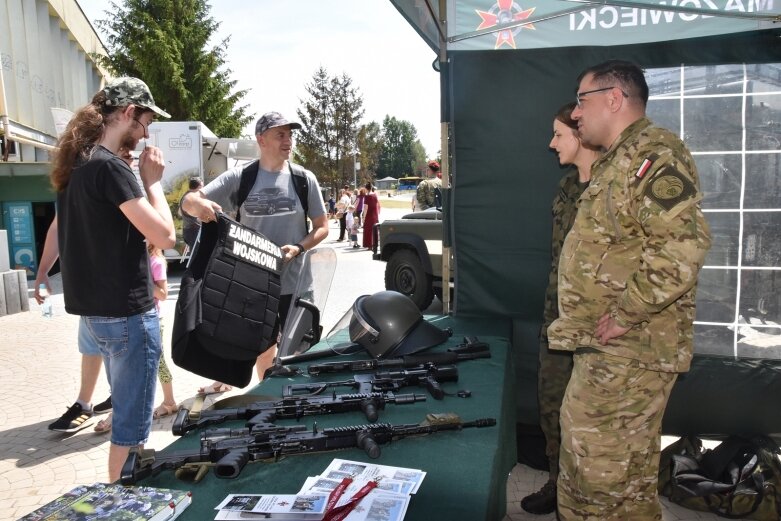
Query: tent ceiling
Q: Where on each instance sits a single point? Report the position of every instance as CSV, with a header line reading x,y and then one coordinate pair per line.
x,y
530,24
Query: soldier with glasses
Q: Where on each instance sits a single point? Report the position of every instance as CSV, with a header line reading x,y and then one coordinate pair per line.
x,y
627,280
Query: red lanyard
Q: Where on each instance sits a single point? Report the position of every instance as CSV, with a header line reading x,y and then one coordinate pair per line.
x,y
340,512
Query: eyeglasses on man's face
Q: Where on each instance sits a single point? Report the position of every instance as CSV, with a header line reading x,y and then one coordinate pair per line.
x,y
579,95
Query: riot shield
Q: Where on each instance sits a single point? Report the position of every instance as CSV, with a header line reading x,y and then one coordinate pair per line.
x,y
302,329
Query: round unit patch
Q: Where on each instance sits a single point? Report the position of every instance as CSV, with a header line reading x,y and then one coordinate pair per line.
x,y
667,187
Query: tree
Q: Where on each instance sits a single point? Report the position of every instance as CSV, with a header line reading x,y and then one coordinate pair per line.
x,y
165,43
402,153
369,149
327,142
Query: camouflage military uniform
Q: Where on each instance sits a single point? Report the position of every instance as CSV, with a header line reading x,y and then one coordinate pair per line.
x,y
637,245
556,366
426,193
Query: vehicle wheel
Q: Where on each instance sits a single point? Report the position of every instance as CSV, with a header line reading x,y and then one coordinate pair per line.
x,y
272,209
404,273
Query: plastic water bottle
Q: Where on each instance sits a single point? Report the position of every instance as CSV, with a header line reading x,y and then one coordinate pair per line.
x,y
46,307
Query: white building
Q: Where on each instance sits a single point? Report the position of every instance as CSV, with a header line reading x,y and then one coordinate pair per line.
x,y
46,62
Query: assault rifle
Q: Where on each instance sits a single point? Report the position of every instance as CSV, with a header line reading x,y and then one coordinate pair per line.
x,y
261,414
471,349
428,376
229,450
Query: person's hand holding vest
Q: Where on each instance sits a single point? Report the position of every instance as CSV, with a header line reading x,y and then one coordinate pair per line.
x,y
291,251
198,206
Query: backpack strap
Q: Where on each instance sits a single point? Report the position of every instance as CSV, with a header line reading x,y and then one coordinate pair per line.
x,y
300,183
248,176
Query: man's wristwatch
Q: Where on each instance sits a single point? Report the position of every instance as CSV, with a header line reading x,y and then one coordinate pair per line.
x,y
301,249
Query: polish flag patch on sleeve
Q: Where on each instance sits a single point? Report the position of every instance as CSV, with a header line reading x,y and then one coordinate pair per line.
x,y
644,166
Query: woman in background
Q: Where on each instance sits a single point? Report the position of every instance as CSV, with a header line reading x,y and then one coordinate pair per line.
x,y
371,215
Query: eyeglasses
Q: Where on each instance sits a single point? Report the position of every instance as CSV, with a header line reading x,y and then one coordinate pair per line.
x,y
145,127
581,94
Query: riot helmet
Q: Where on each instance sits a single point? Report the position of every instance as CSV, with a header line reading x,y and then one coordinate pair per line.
x,y
388,324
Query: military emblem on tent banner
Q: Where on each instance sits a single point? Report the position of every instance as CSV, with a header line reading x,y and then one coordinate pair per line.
x,y
504,12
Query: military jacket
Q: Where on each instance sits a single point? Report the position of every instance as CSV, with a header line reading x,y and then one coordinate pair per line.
x,y
563,209
426,193
635,250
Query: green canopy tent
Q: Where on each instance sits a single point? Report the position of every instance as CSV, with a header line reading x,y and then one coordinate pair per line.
x,y
714,69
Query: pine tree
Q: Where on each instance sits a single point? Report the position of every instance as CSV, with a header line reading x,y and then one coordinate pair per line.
x,y
327,142
165,43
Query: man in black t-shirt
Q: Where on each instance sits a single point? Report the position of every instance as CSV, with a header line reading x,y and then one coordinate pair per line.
x,y
103,221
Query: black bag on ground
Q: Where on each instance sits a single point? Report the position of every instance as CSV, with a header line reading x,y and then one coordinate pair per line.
x,y
739,479
228,302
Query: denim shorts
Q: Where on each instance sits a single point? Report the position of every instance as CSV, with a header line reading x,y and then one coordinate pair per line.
x,y
131,352
87,345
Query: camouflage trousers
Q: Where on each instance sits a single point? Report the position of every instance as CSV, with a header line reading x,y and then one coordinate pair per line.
x,y
611,422
555,369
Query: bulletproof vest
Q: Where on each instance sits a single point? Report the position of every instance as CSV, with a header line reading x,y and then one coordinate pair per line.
x,y
228,302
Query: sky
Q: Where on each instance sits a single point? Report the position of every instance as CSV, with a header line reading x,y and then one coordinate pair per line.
x,y
277,45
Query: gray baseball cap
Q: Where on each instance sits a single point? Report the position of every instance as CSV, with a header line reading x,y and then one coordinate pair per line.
x,y
121,92
272,120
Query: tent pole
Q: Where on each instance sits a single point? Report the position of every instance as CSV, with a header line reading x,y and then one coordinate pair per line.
x,y
444,76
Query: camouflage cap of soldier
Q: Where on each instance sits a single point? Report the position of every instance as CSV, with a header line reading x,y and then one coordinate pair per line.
x,y
124,91
273,120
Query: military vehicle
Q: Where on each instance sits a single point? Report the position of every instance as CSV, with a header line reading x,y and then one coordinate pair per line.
x,y
412,248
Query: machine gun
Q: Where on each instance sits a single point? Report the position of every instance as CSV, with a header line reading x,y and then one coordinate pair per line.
x,y
471,349
405,362
263,414
229,450
428,376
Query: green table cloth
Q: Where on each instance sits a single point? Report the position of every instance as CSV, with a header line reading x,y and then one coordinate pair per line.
x,y
466,470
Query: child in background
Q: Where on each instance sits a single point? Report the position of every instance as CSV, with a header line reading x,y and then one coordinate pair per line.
x,y
157,266
352,225
331,206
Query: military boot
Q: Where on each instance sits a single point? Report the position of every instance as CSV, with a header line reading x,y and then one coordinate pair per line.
x,y
541,502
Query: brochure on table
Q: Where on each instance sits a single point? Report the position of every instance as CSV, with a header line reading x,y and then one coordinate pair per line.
x,y
387,502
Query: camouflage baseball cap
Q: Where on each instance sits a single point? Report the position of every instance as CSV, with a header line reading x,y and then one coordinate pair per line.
x,y
272,120
121,92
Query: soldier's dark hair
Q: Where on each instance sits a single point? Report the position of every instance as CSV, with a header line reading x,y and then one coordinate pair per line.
x,y
195,182
564,114
626,75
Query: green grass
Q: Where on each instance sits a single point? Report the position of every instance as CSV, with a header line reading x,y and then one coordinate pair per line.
x,y
396,203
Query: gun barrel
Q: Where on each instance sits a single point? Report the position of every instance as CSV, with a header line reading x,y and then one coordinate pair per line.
x,y
342,367
468,351
406,398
